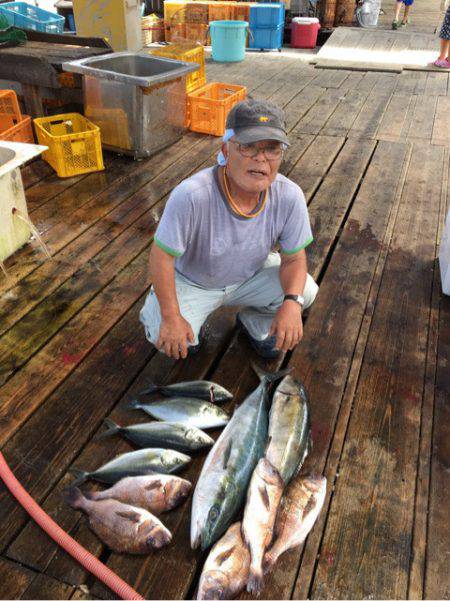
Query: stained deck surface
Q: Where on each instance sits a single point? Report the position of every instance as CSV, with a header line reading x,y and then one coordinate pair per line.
x,y
371,152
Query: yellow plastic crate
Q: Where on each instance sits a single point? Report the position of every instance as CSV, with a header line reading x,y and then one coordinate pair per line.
x,y
210,105
188,53
74,144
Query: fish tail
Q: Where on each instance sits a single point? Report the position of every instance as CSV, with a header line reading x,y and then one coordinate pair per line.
x,y
255,580
151,389
80,476
73,497
270,376
113,428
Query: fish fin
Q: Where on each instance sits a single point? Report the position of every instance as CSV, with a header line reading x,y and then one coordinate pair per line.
x,y
264,496
268,563
270,376
311,503
255,581
150,390
225,555
132,516
80,476
152,485
73,497
226,455
135,404
113,429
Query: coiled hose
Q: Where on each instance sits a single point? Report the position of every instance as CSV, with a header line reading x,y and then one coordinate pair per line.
x,y
64,540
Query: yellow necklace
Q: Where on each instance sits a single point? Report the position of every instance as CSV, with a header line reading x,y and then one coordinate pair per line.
x,y
235,208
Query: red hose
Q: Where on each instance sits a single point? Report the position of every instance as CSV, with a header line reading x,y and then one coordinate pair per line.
x,y
64,540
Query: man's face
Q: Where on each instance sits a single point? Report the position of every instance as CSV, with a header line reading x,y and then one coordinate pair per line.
x,y
249,167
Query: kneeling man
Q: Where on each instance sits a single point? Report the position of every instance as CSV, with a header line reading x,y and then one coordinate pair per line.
x,y
214,243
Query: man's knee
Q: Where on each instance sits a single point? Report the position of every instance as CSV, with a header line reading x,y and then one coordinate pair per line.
x,y
310,291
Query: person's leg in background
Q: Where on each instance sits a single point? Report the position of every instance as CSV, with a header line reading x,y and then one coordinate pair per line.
x,y
408,4
398,6
443,61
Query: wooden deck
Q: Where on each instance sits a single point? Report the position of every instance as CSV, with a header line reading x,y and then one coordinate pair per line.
x,y
371,152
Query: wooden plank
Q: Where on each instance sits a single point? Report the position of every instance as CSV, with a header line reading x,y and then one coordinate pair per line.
x,y
334,197
352,81
331,79
436,583
43,587
423,118
14,578
34,172
316,117
393,121
314,164
377,471
436,84
419,546
357,65
340,122
301,104
366,124
441,128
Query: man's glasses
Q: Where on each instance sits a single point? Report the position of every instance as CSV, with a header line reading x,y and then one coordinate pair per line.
x,y
271,153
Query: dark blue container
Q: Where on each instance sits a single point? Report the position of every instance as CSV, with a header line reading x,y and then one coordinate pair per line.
x,y
266,38
267,15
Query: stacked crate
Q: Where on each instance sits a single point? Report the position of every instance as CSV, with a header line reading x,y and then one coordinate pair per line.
x,y
266,26
14,127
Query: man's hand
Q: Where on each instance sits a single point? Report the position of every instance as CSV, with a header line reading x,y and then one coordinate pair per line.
x,y
287,326
174,334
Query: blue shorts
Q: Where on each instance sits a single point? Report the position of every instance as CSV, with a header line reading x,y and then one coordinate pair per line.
x,y
407,2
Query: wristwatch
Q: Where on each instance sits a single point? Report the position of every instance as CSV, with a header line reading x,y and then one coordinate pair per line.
x,y
296,298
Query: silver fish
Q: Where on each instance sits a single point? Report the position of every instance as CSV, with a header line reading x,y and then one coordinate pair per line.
x,y
161,434
227,470
187,411
299,509
226,569
199,389
123,528
155,493
136,463
263,499
289,428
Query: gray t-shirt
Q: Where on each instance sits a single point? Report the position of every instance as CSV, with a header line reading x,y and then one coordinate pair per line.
x,y
214,247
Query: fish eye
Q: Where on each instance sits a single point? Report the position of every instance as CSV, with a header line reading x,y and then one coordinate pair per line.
x,y
213,514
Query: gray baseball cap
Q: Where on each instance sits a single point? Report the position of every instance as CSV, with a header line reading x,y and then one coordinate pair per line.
x,y
256,120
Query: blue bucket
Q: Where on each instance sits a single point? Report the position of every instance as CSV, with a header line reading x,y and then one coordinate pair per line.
x,y
228,40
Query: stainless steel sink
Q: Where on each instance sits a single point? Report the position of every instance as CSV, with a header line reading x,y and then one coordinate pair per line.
x,y
6,155
128,67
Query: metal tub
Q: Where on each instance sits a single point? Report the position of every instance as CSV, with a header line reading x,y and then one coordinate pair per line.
x,y
137,100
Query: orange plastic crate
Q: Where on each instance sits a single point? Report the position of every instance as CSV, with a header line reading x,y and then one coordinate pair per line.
x,y
9,105
241,11
13,129
175,33
197,32
197,12
210,105
221,11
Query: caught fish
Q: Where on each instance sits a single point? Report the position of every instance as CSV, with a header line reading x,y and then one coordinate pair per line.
x,y
156,493
263,499
161,434
123,528
226,569
299,509
227,470
199,389
136,463
289,428
187,411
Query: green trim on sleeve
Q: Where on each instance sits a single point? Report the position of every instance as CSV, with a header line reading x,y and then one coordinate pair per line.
x,y
296,250
167,249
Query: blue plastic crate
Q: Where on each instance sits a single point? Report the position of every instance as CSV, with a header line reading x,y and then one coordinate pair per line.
x,y
267,15
26,16
266,38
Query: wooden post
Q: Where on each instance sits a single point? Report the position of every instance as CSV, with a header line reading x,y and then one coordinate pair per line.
x,y
345,11
327,13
